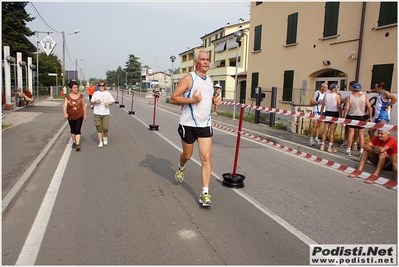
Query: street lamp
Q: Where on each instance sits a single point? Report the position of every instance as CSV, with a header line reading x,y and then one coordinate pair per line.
x,y
23,64
32,67
172,58
76,69
13,60
238,35
63,53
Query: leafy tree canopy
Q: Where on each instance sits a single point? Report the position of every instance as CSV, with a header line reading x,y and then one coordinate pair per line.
x,y
14,29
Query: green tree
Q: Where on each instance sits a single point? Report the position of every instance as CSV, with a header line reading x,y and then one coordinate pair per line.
x,y
49,64
14,29
175,71
133,70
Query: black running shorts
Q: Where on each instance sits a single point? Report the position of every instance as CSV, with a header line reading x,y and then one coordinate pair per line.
x,y
191,134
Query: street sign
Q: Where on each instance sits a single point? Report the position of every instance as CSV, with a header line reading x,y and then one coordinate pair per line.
x,y
48,44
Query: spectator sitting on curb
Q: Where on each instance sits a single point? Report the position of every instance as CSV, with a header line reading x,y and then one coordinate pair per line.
x,y
27,95
382,151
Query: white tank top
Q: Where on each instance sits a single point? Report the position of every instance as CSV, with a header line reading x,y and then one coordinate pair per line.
x,y
357,105
198,114
330,103
319,97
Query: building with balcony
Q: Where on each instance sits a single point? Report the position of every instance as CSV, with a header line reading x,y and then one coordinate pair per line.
x,y
296,46
227,54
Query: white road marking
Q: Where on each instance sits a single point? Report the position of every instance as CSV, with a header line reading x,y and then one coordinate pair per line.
x,y
34,240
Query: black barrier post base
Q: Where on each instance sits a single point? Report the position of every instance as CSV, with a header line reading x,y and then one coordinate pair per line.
x,y
121,106
153,127
131,112
233,181
116,102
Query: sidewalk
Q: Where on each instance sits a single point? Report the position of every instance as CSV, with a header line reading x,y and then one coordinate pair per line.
x,y
25,141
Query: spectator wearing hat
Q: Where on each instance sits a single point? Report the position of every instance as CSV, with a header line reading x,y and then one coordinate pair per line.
x,y
331,105
355,109
218,92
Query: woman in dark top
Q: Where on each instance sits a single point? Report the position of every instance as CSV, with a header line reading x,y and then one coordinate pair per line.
x,y
75,112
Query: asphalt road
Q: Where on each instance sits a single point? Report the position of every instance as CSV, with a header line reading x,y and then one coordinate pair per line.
x,y
120,204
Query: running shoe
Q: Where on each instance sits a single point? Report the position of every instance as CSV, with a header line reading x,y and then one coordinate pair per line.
x,y
105,141
100,144
331,149
73,145
78,147
205,200
344,144
354,146
317,141
360,154
322,148
311,142
347,154
179,176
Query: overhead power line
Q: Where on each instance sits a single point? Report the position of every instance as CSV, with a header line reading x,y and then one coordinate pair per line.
x,y
42,19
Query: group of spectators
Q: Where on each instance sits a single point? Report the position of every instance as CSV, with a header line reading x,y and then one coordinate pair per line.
x,y
381,150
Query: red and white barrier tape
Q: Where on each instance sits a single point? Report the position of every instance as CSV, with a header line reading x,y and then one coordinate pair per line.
x,y
373,125
346,169
340,167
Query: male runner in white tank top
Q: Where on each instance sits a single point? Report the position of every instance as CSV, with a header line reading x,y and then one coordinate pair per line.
x,y
196,94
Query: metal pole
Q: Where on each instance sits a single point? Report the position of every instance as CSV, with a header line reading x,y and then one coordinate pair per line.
x,y
236,84
37,65
272,116
63,58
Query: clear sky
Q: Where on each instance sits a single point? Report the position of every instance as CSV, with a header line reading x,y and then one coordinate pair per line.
x,y
111,31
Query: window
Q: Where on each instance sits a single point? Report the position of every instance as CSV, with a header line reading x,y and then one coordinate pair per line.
x,y
388,13
331,19
254,83
288,86
233,62
221,47
218,63
292,26
231,43
382,73
258,38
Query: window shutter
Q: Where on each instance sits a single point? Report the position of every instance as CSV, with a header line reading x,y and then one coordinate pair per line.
x,y
258,38
331,19
388,13
254,83
292,26
288,85
382,73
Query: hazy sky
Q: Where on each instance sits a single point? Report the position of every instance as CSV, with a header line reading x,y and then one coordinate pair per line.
x,y
111,31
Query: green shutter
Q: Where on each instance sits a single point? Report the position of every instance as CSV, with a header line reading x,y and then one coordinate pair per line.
x,y
258,38
331,19
288,85
254,83
382,73
388,13
292,26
